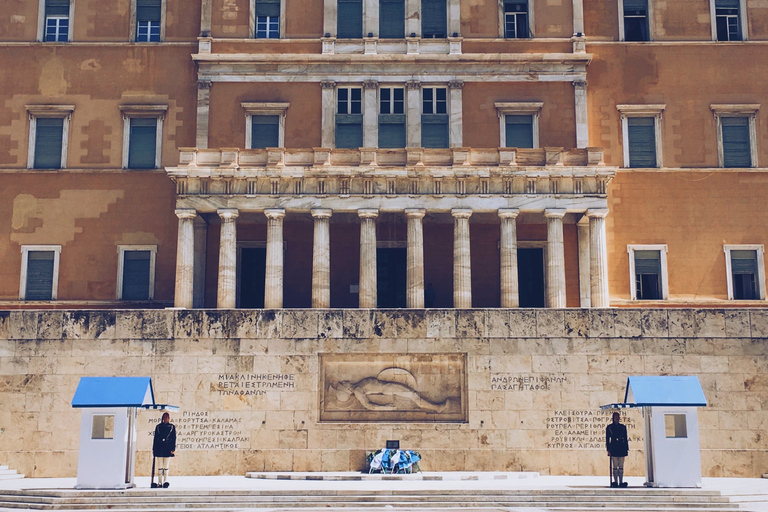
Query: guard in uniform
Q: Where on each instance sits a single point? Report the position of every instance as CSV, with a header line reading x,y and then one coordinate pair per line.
x,y
164,447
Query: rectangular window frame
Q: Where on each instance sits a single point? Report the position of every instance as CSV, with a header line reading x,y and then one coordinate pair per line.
x,y
736,110
743,24
261,108
392,103
121,250
25,250
41,22
760,249
134,22
349,103
252,22
143,111
505,108
650,22
662,248
655,111
503,19
435,88
34,112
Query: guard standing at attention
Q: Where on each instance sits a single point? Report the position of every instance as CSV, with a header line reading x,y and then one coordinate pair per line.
x,y
618,448
164,447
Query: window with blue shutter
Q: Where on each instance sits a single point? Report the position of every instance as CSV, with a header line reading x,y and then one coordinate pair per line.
x,y
349,19
516,19
391,19
142,146
136,278
744,274
392,117
648,275
736,145
39,283
49,133
636,20
56,20
265,131
434,19
267,19
148,17
349,117
641,136
727,20
519,130
434,117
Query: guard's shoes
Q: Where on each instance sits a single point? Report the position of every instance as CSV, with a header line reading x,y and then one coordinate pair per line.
x,y
154,485
623,484
614,484
166,485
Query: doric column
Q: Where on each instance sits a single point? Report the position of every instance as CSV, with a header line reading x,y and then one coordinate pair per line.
x,y
510,297
203,96
598,258
456,122
273,278
412,18
415,292
185,258
580,100
227,291
413,115
462,271
321,259
368,285
330,14
370,114
328,119
555,259
584,263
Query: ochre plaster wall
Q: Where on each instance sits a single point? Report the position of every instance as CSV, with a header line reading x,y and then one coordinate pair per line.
x,y
682,20
479,19
229,18
601,18
552,18
18,20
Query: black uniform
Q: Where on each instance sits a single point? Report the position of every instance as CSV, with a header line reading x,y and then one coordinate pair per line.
x,y
616,440
165,440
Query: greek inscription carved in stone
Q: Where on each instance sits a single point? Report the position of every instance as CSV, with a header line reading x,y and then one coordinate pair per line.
x,y
254,384
203,430
585,429
526,382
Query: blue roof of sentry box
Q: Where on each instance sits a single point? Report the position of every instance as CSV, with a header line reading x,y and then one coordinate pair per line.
x,y
114,392
664,390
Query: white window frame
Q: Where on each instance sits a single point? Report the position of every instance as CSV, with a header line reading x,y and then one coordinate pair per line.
x,y
760,249
146,111
252,21
505,108
650,22
736,110
25,250
742,20
41,21
391,88
349,87
502,20
662,248
133,22
51,111
260,108
435,87
121,250
654,111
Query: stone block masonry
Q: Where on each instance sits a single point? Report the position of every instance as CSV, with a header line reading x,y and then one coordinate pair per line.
x,y
493,389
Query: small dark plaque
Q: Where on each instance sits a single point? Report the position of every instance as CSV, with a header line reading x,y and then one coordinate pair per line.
x,y
393,445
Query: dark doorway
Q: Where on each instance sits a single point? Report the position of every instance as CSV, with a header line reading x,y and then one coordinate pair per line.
x,y
391,277
530,275
252,265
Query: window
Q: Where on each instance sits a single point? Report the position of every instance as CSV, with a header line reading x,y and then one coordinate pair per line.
x,y
136,272
675,425
103,426
39,272
267,14
392,117
56,22
148,20
635,23
516,19
641,130
142,135
265,124
349,19
728,24
519,124
48,136
349,117
745,272
392,19
736,136
648,271
434,117
434,19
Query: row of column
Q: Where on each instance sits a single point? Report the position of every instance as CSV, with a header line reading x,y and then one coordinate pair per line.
x,y
596,248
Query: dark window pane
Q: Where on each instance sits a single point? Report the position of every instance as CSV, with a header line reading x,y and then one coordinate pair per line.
x,y
48,139
143,143
349,19
736,144
519,131
641,134
39,275
57,7
349,131
392,130
136,275
648,275
148,10
744,273
392,19
434,131
516,19
434,19
265,132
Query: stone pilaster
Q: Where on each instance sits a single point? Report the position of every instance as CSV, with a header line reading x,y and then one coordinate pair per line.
x,y
510,296
203,111
328,120
321,259
462,270
185,259
582,126
227,290
412,18
205,18
555,259
598,258
368,286
456,117
413,114
370,113
330,15
370,18
415,257
578,17
273,281
585,294
454,17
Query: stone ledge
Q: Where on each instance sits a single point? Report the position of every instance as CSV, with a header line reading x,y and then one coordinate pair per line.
x,y
428,476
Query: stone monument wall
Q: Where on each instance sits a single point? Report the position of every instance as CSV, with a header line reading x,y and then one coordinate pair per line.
x,y
314,390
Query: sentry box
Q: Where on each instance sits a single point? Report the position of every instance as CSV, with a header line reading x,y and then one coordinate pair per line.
x,y
108,428
671,427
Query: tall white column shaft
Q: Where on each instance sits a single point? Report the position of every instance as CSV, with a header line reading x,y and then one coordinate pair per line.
x,y
585,284
580,101
415,258
462,270
370,115
510,296
328,116
555,259
368,286
321,259
273,282
227,290
598,258
185,259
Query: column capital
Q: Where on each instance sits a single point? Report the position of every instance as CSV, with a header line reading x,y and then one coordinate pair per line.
x,y
461,213
456,84
554,213
508,213
274,213
370,84
185,213
204,84
368,213
415,213
228,213
579,83
321,213
600,213
327,84
413,84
